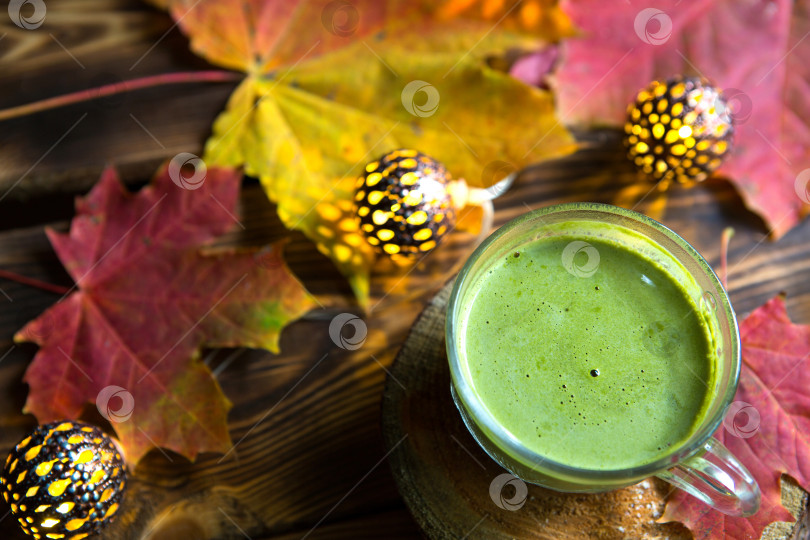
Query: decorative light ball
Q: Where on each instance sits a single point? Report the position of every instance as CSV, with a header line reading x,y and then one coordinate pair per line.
x,y
65,480
680,129
404,204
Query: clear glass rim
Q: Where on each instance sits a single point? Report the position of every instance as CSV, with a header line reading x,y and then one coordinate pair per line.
x,y
481,415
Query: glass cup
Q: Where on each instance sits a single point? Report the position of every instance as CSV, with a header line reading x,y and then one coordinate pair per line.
x,y
700,465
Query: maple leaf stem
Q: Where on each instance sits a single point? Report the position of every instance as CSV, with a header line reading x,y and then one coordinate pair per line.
x,y
728,232
119,88
44,285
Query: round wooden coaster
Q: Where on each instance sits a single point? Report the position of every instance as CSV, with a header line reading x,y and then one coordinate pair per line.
x,y
455,490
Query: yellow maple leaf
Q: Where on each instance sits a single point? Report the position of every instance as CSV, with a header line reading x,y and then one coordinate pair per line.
x,y
309,117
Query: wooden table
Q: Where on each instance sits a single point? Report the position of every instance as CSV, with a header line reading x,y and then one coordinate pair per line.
x,y
311,460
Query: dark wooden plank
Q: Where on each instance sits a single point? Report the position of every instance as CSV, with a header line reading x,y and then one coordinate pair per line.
x,y
85,44
393,525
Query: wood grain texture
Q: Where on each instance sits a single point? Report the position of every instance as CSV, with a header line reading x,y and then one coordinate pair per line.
x,y
84,44
311,456
445,477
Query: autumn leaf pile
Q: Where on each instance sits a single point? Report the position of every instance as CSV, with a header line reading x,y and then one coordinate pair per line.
x,y
330,85
318,103
319,99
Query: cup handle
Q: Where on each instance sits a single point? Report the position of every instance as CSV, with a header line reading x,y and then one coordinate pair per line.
x,y
717,478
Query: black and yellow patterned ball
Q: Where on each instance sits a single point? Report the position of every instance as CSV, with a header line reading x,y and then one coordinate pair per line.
x,y
679,130
64,480
403,203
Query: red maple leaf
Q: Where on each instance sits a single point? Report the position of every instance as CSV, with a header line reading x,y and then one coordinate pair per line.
x,y
768,429
261,35
146,299
756,51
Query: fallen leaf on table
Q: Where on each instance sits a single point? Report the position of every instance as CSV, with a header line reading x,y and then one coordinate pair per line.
x,y
540,16
306,124
308,140
756,51
146,299
256,36
768,425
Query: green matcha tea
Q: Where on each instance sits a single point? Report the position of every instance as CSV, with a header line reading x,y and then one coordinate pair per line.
x,y
602,369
